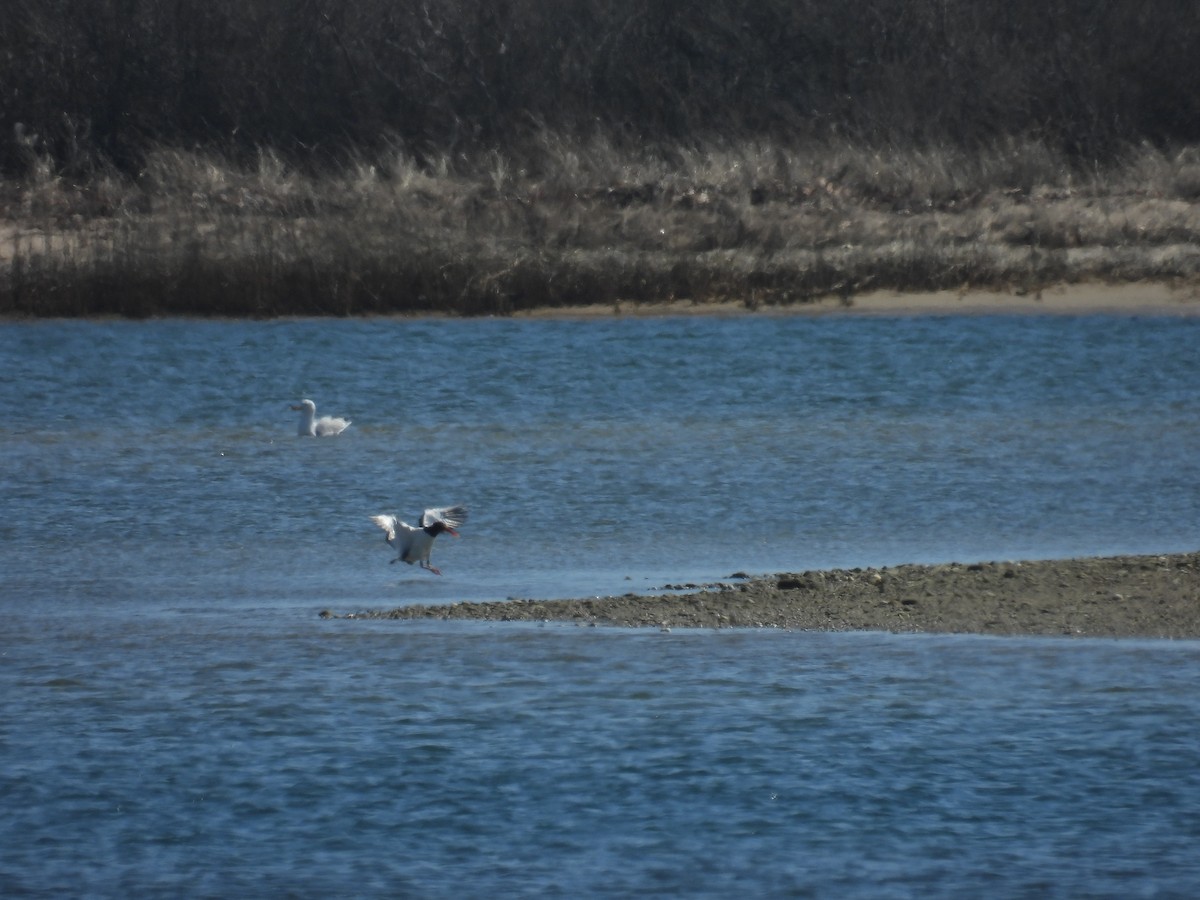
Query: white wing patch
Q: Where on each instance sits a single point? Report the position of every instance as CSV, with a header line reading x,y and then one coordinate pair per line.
x,y
388,524
328,426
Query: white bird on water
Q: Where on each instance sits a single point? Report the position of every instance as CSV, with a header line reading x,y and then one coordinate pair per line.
x,y
414,543
311,426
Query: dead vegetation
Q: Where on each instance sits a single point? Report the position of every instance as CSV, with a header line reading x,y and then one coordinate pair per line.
x,y
270,157
583,224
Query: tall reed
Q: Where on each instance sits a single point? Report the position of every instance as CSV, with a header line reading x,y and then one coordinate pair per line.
x,y
571,223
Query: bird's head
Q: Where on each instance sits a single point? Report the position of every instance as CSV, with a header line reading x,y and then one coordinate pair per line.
x,y
439,527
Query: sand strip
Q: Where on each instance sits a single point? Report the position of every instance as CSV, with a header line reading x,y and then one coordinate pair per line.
x,y
1089,298
1121,596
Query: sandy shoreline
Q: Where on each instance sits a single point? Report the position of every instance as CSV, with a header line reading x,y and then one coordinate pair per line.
x,y
1142,298
1123,596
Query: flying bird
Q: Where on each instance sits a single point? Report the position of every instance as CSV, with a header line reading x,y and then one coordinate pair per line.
x,y
311,426
413,543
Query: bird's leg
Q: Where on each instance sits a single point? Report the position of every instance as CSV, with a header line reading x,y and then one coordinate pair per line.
x,y
434,569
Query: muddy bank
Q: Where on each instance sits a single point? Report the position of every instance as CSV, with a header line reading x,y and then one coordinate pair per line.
x,y
1121,596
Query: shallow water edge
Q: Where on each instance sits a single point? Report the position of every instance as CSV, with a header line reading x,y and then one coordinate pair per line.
x,y
1117,596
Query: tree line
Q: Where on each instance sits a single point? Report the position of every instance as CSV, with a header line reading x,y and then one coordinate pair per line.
x,y
103,82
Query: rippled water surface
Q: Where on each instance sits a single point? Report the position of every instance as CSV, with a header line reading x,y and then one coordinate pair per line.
x,y
175,720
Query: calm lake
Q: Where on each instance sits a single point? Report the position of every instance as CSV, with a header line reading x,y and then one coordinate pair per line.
x,y
175,719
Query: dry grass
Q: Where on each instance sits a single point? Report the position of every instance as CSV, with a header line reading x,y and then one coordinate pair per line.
x,y
580,223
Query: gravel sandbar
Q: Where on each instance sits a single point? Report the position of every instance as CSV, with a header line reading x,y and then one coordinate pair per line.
x,y
1119,596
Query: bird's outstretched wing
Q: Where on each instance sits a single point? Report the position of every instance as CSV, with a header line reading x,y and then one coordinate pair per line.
x,y
388,524
450,516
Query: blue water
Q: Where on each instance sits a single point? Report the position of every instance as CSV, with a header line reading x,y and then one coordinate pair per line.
x,y
175,720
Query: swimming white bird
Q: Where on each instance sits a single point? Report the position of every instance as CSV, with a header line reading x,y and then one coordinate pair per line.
x,y
414,543
311,426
